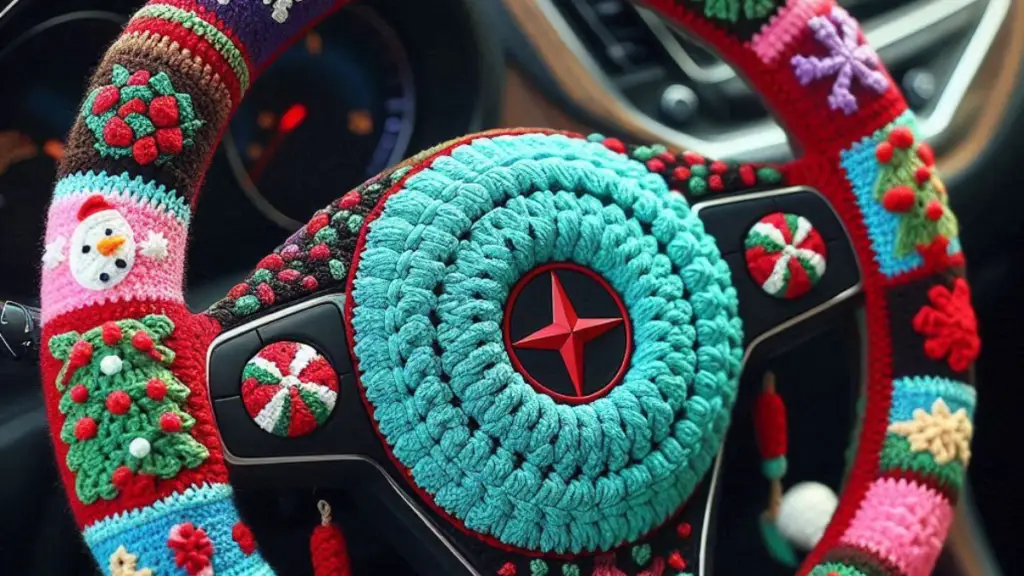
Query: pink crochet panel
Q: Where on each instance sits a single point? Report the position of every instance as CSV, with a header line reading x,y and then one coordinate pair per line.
x,y
152,250
903,522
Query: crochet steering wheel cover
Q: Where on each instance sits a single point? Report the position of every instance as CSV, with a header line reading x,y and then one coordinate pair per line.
x,y
809,61
430,287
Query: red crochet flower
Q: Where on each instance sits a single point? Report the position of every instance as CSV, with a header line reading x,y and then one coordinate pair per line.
x,y
193,549
949,326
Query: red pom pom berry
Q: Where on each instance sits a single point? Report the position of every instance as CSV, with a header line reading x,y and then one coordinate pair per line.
x,y
169,140
899,199
133,106
121,477
266,294
676,561
349,200
655,165
170,422
684,530
693,158
163,111
615,145
238,291
81,354
926,154
681,173
901,137
273,262
139,78
117,133
119,402
142,341
145,151
934,211
79,394
111,333
317,223
922,175
85,429
289,275
883,152
156,389
106,98
310,283
319,252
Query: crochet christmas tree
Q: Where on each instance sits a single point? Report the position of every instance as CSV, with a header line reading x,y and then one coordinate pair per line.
x,y
124,408
908,187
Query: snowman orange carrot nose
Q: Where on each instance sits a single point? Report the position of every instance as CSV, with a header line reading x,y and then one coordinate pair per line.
x,y
110,244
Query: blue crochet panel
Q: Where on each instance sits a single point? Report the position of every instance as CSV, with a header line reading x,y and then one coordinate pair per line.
x,y
862,171
144,532
920,392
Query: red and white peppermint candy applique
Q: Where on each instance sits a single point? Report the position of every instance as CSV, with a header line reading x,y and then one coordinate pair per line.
x,y
785,255
289,389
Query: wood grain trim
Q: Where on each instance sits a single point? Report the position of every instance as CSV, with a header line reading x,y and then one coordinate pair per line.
x,y
975,123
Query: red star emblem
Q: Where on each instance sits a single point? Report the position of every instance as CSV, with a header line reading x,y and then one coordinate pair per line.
x,y
567,333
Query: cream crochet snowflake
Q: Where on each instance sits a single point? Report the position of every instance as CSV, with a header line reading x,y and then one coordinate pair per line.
x,y
946,434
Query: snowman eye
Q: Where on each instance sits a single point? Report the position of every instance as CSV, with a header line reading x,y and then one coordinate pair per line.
x,y
120,263
85,249
108,231
104,277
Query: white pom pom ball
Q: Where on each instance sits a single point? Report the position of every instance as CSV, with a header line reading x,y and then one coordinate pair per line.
x,y
805,512
139,448
110,365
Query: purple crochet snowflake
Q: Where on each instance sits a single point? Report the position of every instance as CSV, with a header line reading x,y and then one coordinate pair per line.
x,y
847,59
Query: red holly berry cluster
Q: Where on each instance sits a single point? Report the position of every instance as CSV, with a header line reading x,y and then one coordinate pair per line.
x,y
140,115
902,197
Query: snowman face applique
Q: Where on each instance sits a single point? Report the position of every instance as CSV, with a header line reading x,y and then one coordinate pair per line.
x,y
102,247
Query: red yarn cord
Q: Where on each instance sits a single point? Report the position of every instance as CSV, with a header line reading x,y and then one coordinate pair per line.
x,y
327,546
770,421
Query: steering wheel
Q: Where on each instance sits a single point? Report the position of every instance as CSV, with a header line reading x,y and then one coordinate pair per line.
x,y
521,348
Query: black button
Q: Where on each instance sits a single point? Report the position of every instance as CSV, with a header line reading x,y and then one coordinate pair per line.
x,y
227,362
320,326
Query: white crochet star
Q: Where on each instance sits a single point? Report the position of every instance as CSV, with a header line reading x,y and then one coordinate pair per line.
x,y
154,246
281,7
53,256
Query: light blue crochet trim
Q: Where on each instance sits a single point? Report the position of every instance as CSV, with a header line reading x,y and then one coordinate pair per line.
x,y
144,533
538,474
915,392
139,189
862,170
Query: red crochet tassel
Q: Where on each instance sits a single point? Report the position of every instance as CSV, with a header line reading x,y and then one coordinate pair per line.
x,y
770,421
327,546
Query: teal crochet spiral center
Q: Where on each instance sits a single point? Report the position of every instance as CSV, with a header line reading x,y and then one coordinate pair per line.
x,y
500,457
